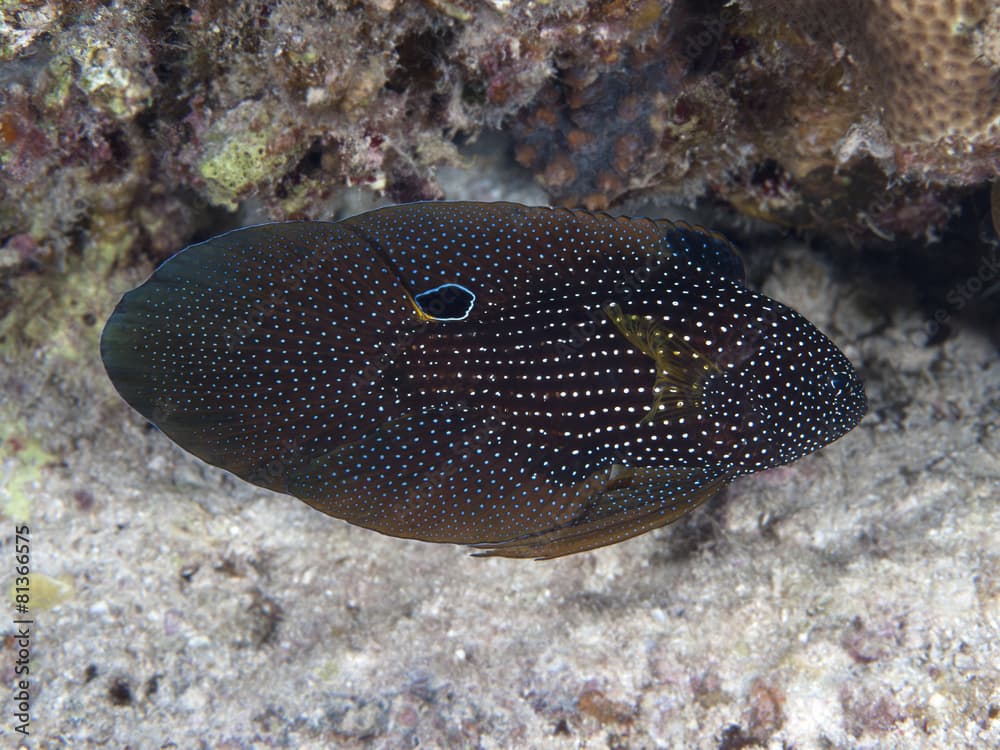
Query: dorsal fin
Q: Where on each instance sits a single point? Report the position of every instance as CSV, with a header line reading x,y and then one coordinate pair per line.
x,y
704,247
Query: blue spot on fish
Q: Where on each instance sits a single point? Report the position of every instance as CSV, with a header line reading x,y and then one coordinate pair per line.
x,y
531,381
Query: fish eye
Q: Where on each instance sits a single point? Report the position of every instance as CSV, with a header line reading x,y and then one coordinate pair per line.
x,y
838,381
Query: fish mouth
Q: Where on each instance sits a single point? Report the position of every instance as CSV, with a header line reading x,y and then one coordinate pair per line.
x,y
851,410
859,400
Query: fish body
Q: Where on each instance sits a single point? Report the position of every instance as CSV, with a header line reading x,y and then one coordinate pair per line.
x,y
530,381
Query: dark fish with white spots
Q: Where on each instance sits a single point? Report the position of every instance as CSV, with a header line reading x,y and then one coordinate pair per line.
x,y
530,381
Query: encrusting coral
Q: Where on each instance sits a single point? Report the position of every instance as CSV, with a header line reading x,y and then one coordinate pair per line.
x,y
930,74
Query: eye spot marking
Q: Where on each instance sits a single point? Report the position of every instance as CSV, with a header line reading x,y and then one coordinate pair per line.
x,y
446,302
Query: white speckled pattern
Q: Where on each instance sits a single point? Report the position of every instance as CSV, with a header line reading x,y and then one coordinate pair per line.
x,y
532,381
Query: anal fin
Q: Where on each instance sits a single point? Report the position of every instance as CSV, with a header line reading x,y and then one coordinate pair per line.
x,y
634,502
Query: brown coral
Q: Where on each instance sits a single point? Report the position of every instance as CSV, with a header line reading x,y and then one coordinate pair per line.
x,y
922,61
929,74
592,136
806,113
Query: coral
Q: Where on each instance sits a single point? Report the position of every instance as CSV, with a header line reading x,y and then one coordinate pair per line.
x,y
927,72
77,194
22,22
927,62
592,135
112,63
234,165
805,113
